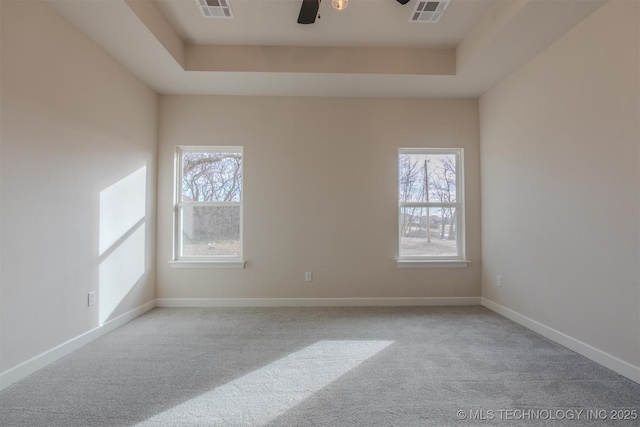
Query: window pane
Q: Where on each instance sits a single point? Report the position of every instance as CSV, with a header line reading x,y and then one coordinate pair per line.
x,y
437,172
210,230
436,240
211,177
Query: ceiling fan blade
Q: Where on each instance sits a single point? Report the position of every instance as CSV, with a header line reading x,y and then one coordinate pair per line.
x,y
308,11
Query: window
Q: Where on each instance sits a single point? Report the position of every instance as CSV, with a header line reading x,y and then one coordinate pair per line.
x,y
430,205
208,208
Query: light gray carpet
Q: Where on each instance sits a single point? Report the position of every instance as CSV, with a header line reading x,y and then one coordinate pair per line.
x,y
383,366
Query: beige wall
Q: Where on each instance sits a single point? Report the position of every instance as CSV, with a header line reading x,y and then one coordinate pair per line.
x,y
320,194
74,123
560,185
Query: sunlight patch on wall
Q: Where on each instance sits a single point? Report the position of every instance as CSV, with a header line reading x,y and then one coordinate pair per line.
x,y
261,396
121,271
122,243
122,205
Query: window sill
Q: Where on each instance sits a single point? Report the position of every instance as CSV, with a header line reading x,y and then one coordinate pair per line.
x,y
207,264
428,263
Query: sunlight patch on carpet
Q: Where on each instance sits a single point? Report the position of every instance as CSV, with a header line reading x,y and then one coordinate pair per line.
x,y
262,395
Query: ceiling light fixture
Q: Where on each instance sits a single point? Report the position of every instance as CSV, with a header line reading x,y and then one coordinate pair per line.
x,y
339,4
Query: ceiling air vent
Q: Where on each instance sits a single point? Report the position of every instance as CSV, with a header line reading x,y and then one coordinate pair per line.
x,y
215,9
429,11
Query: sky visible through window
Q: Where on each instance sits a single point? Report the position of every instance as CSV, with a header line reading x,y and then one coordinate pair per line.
x,y
427,197
211,196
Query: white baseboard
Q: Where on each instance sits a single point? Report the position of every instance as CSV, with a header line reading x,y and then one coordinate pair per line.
x,y
38,362
605,359
313,302
30,366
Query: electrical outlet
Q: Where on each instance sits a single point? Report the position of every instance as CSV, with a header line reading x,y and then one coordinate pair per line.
x,y
499,280
91,300
307,276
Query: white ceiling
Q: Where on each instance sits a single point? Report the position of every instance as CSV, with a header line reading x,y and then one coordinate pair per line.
x,y
368,50
364,23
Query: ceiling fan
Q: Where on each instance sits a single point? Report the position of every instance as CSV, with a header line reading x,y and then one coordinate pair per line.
x,y
309,10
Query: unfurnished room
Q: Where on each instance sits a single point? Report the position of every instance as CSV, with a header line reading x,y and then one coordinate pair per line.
x,y
319,213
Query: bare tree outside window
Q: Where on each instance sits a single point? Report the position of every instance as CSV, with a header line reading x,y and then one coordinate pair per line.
x,y
212,177
210,202
428,203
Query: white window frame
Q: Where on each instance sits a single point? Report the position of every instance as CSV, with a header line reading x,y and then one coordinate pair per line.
x,y
459,259
204,261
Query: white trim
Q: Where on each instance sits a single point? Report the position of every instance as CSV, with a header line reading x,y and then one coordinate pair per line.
x,y
214,204
314,302
211,148
430,205
40,361
426,150
429,263
206,264
605,359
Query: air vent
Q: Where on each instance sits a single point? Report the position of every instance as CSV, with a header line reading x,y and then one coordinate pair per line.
x,y
215,9
429,11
